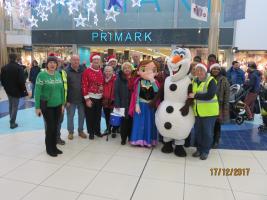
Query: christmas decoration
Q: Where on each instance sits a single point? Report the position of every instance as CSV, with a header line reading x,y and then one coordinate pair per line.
x,y
44,17
61,2
95,19
111,14
33,22
80,21
114,3
49,5
73,6
136,3
8,8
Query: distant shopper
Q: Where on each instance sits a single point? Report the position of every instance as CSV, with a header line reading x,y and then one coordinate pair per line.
x,y
49,102
92,89
136,59
197,59
211,60
253,85
35,70
12,79
74,96
235,75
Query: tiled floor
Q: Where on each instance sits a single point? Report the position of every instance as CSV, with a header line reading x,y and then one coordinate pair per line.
x,y
102,170
105,170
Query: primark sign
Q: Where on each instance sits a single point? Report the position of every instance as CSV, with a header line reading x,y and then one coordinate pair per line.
x,y
122,37
134,37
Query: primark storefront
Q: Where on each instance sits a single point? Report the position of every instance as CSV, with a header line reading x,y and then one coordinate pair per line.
x,y
151,29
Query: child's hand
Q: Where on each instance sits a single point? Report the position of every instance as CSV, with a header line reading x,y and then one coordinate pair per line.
x,y
137,109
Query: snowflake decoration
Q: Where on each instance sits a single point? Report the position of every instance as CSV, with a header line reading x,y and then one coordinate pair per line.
x,y
91,6
136,3
33,21
80,21
111,14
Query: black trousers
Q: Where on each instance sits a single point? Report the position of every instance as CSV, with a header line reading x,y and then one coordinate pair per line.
x,y
217,131
126,128
52,119
93,117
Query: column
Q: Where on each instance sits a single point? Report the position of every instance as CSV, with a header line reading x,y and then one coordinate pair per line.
x,y
214,29
3,47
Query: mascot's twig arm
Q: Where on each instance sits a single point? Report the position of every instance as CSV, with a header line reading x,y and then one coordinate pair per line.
x,y
189,102
158,97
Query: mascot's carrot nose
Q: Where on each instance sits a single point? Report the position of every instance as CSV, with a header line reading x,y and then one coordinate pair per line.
x,y
176,59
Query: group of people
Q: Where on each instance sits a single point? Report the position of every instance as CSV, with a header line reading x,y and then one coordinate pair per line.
x,y
130,87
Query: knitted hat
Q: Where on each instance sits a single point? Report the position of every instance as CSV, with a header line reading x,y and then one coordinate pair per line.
x,y
52,57
94,56
203,66
112,58
215,65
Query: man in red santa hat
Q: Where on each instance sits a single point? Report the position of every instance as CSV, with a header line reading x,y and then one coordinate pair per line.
x,y
113,62
92,88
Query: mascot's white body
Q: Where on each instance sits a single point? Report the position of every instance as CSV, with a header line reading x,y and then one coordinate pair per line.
x,y
171,124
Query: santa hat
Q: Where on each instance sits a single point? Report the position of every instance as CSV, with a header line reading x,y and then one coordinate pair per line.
x,y
94,56
203,66
112,58
215,65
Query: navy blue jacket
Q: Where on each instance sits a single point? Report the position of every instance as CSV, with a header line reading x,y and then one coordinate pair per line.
x,y
253,82
235,76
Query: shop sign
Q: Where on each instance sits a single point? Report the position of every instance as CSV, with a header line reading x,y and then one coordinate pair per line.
x,y
121,37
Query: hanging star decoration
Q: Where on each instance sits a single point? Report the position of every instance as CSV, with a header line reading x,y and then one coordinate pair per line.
x,y
40,9
91,6
8,8
73,6
95,19
61,2
44,17
80,21
111,14
49,5
136,3
33,22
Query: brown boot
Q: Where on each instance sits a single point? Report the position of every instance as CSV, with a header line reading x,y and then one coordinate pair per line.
x,y
82,135
70,136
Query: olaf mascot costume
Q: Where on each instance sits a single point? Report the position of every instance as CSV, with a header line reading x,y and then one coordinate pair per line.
x,y
174,116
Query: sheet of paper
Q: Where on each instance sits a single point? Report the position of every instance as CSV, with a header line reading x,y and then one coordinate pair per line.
x,y
119,111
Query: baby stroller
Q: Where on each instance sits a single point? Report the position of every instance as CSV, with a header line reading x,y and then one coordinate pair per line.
x,y
236,104
263,108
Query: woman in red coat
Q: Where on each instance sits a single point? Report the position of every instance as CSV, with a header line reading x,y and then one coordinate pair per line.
x,y
108,94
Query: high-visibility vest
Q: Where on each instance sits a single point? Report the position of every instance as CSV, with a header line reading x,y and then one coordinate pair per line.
x,y
206,108
65,83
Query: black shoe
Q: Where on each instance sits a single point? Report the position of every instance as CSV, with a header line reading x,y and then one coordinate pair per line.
x,y
179,151
167,147
98,135
12,126
113,135
52,154
204,156
91,137
123,142
196,154
57,151
60,141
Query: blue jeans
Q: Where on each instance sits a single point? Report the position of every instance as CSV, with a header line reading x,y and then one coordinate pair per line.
x,y
13,108
204,131
70,116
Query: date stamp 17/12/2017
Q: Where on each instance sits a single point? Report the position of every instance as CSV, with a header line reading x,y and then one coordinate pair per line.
x,y
229,171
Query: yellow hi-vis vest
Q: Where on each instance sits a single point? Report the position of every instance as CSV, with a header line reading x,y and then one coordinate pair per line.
x,y
207,108
65,83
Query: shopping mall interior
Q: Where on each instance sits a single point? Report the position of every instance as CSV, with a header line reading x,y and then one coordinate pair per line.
x,y
106,167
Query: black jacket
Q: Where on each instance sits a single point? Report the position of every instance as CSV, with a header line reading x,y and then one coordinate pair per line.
x,y
12,79
34,73
122,93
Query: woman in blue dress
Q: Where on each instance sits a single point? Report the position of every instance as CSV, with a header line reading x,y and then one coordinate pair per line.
x,y
144,131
